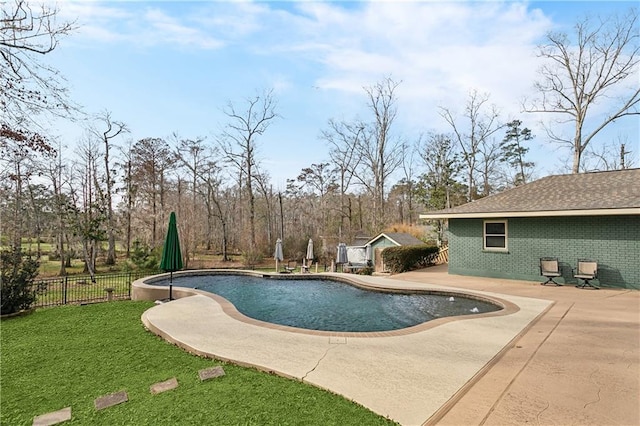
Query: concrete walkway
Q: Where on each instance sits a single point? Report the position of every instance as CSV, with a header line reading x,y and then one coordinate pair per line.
x,y
577,364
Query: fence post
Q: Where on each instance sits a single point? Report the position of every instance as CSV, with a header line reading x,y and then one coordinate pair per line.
x,y
64,290
129,286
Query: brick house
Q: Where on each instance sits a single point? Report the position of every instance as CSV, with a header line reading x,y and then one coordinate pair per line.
x,y
588,215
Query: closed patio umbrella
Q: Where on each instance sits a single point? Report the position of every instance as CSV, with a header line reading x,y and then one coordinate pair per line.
x,y
368,255
341,257
171,255
309,255
278,256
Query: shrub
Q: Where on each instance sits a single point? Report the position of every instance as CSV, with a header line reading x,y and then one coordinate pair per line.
x,y
368,270
18,270
407,258
251,258
143,257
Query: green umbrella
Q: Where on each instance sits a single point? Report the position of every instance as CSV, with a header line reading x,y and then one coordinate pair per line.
x,y
171,255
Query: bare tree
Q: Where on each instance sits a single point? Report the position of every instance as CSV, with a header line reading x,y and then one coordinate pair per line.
x,y
27,86
343,138
193,155
472,132
584,73
18,152
405,189
489,154
238,142
129,190
88,213
110,129
381,154
612,156
319,179
53,171
210,192
264,188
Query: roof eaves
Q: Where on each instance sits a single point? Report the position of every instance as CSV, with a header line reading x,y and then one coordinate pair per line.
x,y
382,234
542,213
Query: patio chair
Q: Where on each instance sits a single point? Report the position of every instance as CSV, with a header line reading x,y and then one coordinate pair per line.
x,y
586,271
291,266
550,269
355,267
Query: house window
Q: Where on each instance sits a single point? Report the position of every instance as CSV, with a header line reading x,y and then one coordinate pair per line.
x,y
495,235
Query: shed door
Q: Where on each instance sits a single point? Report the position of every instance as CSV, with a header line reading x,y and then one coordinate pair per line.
x,y
379,263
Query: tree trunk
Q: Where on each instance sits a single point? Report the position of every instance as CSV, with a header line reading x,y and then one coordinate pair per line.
x,y
577,154
225,257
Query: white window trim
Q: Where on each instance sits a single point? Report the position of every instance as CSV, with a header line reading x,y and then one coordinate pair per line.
x,y
506,236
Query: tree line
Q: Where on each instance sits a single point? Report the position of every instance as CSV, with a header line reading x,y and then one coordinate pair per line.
x,y
117,192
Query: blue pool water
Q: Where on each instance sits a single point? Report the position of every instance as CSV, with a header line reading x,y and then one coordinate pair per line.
x,y
329,305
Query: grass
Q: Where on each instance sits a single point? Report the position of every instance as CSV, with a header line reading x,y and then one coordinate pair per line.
x,y
68,356
202,259
49,268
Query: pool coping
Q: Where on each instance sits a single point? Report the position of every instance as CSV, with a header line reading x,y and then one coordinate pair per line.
x,y
507,307
410,378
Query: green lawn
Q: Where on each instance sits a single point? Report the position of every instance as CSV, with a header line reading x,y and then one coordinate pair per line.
x,y
68,356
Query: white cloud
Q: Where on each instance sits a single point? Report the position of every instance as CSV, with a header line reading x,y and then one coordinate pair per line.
x,y
134,24
163,28
93,21
231,20
439,50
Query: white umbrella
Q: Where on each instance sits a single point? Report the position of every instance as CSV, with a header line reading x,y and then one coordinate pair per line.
x,y
309,255
368,257
278,253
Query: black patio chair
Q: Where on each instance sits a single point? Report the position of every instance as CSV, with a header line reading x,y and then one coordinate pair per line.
x,y
550,269
586,271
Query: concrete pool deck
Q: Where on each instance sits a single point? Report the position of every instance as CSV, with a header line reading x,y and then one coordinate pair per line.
x,y
567,356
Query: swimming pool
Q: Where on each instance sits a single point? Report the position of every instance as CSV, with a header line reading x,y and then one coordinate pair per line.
x,y
329,305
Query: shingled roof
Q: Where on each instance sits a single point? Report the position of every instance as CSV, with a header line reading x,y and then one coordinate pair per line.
x,y
584,194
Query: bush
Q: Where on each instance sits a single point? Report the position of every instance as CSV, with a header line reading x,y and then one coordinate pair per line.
x,y
367,270
143,257
407,258
251,258
18,270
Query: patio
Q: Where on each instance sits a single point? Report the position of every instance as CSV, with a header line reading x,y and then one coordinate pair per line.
x,y
578,364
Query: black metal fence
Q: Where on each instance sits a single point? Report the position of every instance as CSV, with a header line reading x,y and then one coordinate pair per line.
x,y
84,288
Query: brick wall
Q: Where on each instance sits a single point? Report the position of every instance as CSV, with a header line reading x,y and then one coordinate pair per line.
x,y
614,241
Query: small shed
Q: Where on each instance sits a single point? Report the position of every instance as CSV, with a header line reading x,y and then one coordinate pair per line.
x,y
389,239
579,216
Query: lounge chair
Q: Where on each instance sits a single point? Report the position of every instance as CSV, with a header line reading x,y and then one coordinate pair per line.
x,y
586,271
550,269
291,266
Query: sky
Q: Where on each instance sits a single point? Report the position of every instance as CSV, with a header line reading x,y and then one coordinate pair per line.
x,y
166,67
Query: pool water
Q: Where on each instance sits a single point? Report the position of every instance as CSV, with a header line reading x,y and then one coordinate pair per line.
x,y
329,305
